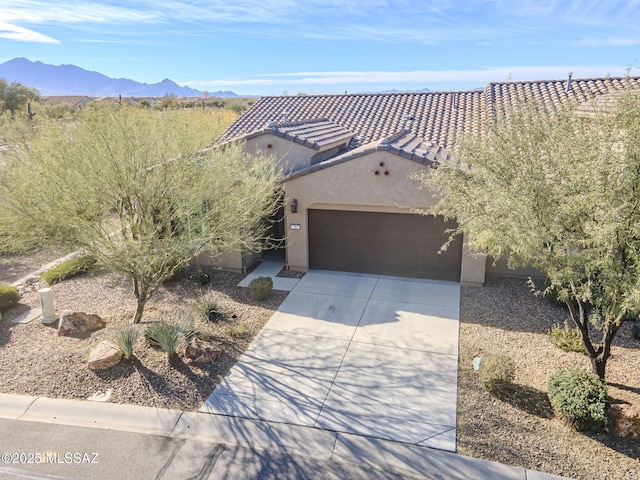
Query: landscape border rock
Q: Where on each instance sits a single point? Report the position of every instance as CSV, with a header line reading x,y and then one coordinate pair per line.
x,y
200,351
105,355
77,323
623,420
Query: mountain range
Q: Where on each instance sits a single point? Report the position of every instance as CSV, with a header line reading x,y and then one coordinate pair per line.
x,y
72,80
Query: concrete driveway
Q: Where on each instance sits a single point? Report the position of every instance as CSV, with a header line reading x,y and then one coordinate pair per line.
x,y
363,354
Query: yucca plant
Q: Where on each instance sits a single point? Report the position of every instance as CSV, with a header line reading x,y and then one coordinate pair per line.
x,y
168,336
208,309
126,340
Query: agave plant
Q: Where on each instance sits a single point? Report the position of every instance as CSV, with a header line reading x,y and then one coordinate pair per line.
x,y
126,340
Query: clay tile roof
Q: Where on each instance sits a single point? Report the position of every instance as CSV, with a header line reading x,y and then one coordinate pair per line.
x,y
434,119
402,143
320,134
552,93
434,116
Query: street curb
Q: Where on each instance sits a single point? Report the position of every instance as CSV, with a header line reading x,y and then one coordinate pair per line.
x,y
291,439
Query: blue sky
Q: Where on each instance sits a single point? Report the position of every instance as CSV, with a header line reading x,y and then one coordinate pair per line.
x,y
268,47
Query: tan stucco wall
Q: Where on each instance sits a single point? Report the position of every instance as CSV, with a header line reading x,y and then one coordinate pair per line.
x,y
501,269
353,185
290,156
231,262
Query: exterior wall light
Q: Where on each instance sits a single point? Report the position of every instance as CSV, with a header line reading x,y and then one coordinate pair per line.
x,y
294,205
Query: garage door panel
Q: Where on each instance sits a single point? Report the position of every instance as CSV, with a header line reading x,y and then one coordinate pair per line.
x,y
383,243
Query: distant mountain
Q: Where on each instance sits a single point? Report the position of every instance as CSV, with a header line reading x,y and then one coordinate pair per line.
x,y
72,80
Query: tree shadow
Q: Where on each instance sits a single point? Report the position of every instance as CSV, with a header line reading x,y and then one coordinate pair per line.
x,y
529,400
625,387
623,445
124,368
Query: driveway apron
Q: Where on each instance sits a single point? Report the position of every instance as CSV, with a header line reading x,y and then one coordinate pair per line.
x,y
363,354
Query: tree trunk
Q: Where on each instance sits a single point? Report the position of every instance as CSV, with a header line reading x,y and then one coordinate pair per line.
x,y
599,364
138,315
142,296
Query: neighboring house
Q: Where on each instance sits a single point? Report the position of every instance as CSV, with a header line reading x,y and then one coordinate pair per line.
x,y
348,160
76,102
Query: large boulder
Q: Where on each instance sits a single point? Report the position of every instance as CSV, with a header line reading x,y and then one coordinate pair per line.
x,y
199,351
106,354
77,323
624,420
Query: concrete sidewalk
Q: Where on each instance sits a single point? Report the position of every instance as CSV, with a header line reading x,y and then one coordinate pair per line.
x,y
173,425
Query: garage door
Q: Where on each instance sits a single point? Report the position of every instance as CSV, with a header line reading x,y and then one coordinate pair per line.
x,y
383,243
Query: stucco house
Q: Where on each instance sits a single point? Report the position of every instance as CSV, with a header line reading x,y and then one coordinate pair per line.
x,y
76,102
349,160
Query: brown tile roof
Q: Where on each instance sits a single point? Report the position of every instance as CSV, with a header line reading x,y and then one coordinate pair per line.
x,y
553,92
72,100
320,134
403,143
434,118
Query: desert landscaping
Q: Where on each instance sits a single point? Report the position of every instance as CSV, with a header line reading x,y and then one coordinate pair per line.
x,y
502,317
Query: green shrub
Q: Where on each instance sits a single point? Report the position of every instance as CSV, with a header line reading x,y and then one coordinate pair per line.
x,y
126,340
261,288
237,331
169,337
9,297
69,268
579,397
496,373
208,310
566,338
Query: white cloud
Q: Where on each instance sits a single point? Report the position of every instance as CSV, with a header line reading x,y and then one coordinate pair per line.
x,y
14,32
622,41
43,12
424,77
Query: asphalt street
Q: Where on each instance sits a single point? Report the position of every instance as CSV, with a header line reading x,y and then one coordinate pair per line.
x,y
87,453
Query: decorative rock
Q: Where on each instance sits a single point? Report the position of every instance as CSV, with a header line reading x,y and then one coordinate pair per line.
x,y
624,420
105,355
199,351
75,323
102,397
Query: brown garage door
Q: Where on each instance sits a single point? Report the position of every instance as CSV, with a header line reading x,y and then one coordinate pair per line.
x,y
383,243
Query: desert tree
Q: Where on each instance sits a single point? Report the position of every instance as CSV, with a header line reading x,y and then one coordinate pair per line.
x,y
14,96
141,190
557,189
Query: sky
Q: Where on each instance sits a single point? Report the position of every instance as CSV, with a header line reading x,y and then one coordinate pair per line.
x,y
274,47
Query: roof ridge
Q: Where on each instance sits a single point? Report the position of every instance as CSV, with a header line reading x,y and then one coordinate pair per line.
x,y
562,80
372,94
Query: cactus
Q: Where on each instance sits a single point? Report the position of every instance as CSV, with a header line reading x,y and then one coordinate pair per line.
x,y
30,113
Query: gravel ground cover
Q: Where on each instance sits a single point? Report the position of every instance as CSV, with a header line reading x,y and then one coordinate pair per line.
x,y
504,317
35,361
14,267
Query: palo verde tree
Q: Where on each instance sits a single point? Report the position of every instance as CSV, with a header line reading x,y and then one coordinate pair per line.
x,y
14,96
139,191
560,191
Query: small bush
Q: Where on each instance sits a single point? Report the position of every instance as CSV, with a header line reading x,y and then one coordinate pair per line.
x,y
579,397
9,297
566,338
237,331
69,268
169,337
261,288
496,373
208,310
126,340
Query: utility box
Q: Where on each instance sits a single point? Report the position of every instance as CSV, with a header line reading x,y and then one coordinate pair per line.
x,y
46,304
